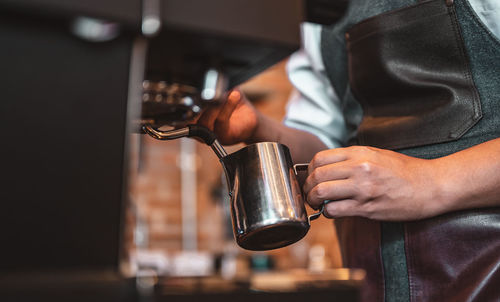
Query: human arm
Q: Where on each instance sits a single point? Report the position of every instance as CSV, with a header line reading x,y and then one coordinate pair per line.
x,y
238,121
313,122
386,185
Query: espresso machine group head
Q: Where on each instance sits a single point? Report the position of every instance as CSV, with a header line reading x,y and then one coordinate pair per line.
x,y
199,49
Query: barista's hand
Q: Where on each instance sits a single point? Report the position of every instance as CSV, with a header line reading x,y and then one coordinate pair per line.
x,y
373,183
234,121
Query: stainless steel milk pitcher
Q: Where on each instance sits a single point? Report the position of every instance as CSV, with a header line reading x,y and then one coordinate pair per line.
x,y
267,204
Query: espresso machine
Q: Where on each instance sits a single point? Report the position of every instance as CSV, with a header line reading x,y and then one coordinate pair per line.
x,y
77,78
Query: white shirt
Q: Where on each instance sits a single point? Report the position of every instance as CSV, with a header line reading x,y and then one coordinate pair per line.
x,y
315,106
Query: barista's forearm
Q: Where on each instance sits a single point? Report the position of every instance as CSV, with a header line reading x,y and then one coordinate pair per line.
x,y
471,178
303,145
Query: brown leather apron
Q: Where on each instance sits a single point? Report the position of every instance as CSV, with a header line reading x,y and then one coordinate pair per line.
x,y
409,71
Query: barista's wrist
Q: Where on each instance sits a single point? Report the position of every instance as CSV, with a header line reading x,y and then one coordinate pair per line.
x,y
434,188
466,180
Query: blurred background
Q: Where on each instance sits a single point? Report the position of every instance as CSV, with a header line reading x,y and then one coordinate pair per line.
x,y
180,204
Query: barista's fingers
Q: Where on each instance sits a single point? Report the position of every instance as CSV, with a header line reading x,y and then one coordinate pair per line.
x,y
330,190
326,157
342,208
208,117
329,172
232,102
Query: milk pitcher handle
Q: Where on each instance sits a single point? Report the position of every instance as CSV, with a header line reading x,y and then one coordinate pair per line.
x,y
303,167
300,167
317,214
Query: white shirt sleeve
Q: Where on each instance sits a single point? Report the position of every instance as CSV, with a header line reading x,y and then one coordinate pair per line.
x,y
314,106
489,13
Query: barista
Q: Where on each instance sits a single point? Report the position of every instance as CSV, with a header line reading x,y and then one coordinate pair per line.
x,y
399,120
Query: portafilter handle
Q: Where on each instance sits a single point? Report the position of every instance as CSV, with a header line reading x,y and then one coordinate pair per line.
x,y
198,131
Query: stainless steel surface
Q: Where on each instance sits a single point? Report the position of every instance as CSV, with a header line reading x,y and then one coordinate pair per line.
x,y
319,213
267,206
300,167
151,21
166,135
304,167
169,103
218,149
183,132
